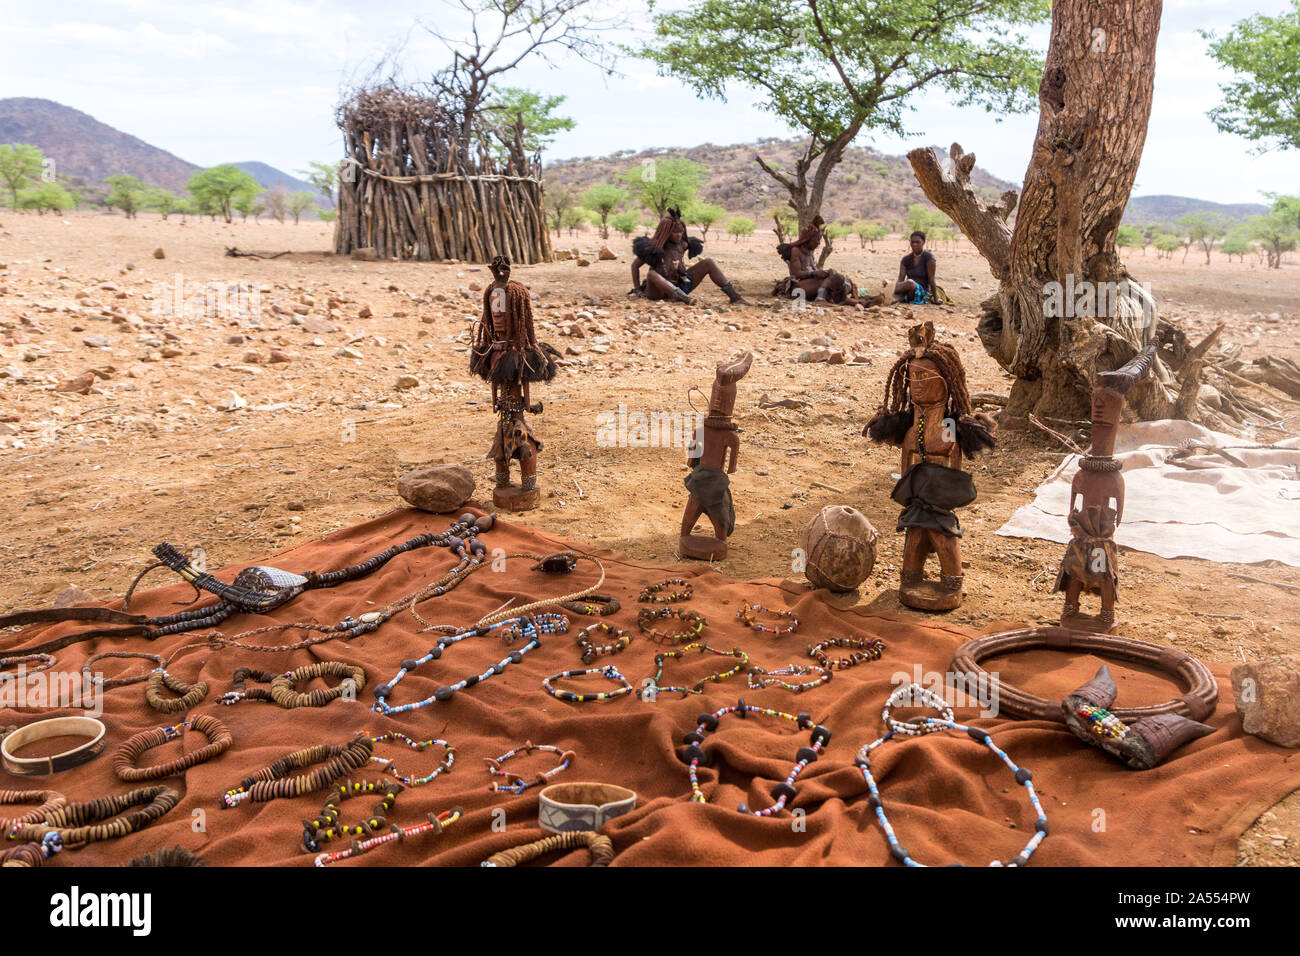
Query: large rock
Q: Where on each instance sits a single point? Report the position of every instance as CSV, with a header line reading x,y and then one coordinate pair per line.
x,y
441,488
1267,695
366,254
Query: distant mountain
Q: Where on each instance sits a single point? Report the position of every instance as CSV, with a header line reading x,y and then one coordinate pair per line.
x,y
86,151
1146,209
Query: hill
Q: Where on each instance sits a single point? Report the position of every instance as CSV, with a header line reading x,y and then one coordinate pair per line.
x,y
1145,209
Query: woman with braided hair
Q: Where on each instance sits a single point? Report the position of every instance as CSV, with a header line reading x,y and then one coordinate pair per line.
x,y
665,253
506,353
927,412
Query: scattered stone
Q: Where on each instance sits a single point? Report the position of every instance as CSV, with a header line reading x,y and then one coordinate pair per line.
x,y
171,351
785,334
278,356
365,313
562,254
821,340
572,350
1267,695
81,385
295,506
252,358
605,254
159,254
405,382
440,489
72,596
583,262
235,340
96,342
366,254
317,325
349,353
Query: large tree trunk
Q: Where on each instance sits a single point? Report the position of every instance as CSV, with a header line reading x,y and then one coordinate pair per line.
x,y
1095,100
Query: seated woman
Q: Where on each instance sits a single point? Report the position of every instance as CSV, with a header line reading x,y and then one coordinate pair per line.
x,y
805,279
916,274
665,253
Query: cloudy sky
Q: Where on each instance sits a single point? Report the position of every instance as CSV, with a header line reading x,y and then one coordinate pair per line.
x,y
259,80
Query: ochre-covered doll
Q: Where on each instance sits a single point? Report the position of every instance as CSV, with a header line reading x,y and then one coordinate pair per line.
x,y
712,458
507,354
927,412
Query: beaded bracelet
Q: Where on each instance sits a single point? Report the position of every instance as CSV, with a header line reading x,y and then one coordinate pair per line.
x,y
191,694
760,678
932,725
47,661
590,650
326,826
282,690
593,605
271,783
448,758
219,741
49,800
79,823
864,649
600,846
609,671
653,688
914,693
652,592
533,627
647,616
784,792
109,683
749,613
517,784
436,824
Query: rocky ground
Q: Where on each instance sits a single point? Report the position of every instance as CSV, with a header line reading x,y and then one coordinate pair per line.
x,y
243,404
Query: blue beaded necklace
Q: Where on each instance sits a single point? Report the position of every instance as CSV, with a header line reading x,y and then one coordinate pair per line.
x,y
531,627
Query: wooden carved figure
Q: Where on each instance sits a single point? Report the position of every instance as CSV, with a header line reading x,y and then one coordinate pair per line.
x,y
712,457
506,353
1097,505
927,413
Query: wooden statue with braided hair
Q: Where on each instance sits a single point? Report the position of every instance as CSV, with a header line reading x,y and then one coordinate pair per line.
x,y
927,412
507,354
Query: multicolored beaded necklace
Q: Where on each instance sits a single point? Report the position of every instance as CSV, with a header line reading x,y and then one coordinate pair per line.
x,y
647,616
609,672
931,725
653,592
435,824
864,649
591,650
784,792
448,758
593,605
748,615
760,678
1102,722
532,627
326,826
517,784
653,687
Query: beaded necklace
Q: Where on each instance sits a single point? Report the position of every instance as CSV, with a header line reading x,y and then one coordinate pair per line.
x,y
326,826
282,690
760,678
591,650
448,758
87,675
47,661
652,685
748,615
864,649
593,605
654,592
532,627
609,672
517,784
215,731
271,783
600,846
647,616
784,792
930,725
78,823
49,800
191,694
436,824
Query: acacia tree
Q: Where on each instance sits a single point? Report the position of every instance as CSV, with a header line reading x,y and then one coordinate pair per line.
x,y
20,164
832,68
1261,103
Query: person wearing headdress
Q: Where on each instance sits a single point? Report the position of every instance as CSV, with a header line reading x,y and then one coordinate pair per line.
x,y
805,279
506,353
665,254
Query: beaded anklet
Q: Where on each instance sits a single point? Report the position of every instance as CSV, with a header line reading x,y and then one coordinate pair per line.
x,y
47,661
449,757
748,615
517,784
609,671
647,616
653,688
219,741
532,627
79,823
590,650
652,592
784,792
271,783
282,685
191,694
436,824
593,605
864,649
600,846
49,800
759,678
929,725
109,683
326,826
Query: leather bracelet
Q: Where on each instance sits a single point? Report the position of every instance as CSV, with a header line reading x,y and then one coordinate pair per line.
x,y
44,729
565,807
600,847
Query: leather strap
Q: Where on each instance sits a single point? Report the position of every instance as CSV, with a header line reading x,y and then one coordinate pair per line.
x,y
43,730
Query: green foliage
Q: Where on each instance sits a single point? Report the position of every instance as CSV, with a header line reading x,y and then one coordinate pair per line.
x,y
128,194
626,222
20,164
559,200
783,219
1130,237
925,217
1278,230
245,204
837,230
163,200
299,202
869,232
1236,243
328,215
704,215
574,217
740,226
323,176
1260,102
218,187
602,200
1203,229
45,196
1167,244
537,111
662,183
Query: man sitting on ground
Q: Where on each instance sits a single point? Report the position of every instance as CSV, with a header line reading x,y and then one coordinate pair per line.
x,y
916,274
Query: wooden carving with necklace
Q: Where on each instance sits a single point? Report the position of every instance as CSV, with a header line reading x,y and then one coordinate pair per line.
x,y
712,458
927,413
506,353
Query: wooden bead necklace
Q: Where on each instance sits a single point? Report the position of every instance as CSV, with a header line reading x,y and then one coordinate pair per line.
x,y
929,725
435,824
191,694
87,674
283,692
590,650
47,661
599,845
609,672
215,731
517,784
79,823
784,792
760,678
653,687
273,782
863,649
748,615
326,826
654,592
49,800
532,627
593,605
448,758
647,616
